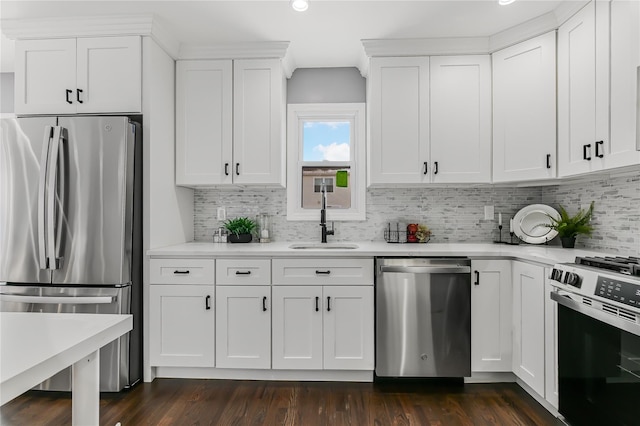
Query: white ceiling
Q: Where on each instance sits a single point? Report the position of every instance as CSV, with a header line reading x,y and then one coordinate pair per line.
x,y
328,34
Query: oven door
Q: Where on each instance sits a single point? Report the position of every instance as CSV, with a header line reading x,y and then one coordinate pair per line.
x,y
598,364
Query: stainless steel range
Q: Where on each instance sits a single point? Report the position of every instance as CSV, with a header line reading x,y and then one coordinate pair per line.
x,y
598,339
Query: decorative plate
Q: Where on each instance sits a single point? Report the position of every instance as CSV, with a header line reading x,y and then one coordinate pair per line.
x,y
529,224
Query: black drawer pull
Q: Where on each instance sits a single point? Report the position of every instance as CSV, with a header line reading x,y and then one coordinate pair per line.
x,y
323,272
238,169
548,161
584,152
78,92
243,272
264,304
207,302
67,96
226,169
435,167
598,153
328,303
177,272
477,278
426,168
317,303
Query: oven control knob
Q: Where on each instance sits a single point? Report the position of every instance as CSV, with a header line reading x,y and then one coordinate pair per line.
x,y
556,275
573,279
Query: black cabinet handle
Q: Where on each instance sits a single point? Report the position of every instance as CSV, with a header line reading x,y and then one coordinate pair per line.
x,y
264,304
226,169
598,153
323,272
477,278
426,167
243,272
328,303
238,169
584,152
317,303
177,272
67,96
435,167
78,91
207,302
548,161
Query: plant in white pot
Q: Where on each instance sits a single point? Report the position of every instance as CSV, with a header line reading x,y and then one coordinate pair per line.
x,y
240,229
569,227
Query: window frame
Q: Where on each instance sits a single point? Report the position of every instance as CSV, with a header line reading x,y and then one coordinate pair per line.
x,y
296,115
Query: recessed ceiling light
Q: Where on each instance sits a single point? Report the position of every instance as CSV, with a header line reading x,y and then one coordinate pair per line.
x,y
505,2
301,5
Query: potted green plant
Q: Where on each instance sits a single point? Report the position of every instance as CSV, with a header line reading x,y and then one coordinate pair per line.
x,y
240,229
569,227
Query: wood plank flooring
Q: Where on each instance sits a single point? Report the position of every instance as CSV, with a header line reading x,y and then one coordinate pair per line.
x,y
218,402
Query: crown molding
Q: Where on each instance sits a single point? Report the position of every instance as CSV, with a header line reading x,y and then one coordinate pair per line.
x,y
91,26
250,50
427,46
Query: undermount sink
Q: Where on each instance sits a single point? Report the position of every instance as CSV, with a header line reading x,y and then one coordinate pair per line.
x,y
327,246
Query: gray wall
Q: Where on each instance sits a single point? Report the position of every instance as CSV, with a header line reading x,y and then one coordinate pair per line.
x,y
6,92
326,85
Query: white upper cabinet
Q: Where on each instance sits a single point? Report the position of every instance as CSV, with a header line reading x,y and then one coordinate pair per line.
x,y
524,110
230,122
204,100
84,75
623,148
460,106
398,142
598,59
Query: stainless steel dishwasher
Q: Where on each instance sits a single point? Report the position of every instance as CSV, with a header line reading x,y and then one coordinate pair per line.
x,y
423,317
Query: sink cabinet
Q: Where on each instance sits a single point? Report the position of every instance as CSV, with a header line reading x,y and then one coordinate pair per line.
x,y
79,75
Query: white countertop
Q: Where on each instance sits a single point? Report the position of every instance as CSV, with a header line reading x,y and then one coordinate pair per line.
x,y
35,346
547,255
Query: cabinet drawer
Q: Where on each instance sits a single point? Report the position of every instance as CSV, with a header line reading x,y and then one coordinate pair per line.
x,y
243,272
182,271
322,271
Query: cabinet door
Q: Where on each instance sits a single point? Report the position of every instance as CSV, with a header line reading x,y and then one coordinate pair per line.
x,y
109,75
550,343
182,325
491,306
398,121
580,101
203,122
348,328
623,148
243,327
460,106
297,327
524,110
259,101
528,320
45,76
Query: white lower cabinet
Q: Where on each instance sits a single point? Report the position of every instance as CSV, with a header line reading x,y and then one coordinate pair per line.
x,y
182,325
550,344
491,306
243,326
323,327
528,325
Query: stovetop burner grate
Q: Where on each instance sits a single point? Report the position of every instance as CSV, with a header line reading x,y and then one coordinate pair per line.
x,y
624,265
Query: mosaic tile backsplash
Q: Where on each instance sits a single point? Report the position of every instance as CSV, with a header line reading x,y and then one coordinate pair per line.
x,y
453,214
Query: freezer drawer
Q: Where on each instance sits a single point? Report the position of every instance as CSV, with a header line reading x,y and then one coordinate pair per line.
x,y
115,368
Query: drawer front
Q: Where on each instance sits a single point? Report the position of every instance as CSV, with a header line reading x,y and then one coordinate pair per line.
x,y
243,272
182,271
322,271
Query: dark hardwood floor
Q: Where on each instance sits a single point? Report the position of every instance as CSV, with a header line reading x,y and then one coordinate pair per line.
x,y
217,402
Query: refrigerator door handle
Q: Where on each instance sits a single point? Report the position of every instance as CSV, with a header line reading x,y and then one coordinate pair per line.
x,y
42,190
52,171
58,300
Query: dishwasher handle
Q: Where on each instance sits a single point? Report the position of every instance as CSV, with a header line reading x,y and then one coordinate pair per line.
x,y
58,300
426,269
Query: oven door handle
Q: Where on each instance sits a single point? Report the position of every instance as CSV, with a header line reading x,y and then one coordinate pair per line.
x,y
58,300
564,299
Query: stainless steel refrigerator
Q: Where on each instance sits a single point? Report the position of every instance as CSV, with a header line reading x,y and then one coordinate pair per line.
x,y
70,228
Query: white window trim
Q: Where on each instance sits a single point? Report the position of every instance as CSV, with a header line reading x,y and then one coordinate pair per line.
x,y
296,113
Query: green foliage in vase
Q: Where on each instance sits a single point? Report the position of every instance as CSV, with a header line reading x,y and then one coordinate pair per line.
x,y
240,225
571,226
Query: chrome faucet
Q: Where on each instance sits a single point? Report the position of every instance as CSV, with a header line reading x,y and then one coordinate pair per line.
x,y
323,214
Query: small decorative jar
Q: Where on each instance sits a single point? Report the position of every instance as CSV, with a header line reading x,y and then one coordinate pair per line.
x,y
264,227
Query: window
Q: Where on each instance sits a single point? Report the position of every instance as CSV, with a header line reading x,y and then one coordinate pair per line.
x,y
325,146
